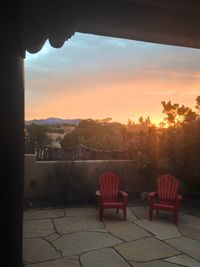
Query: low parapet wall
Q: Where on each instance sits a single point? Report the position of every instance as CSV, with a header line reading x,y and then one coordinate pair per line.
x,y
45,180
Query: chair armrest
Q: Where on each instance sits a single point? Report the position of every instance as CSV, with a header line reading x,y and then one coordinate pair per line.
x,y
99,197
152,196
179,197
98,193
124,194
124,197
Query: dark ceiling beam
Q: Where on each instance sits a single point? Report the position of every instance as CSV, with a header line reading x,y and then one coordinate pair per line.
x,y
192,6
142,22
158,21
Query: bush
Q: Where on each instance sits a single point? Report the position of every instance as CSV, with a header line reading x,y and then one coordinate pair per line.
x,y
68,183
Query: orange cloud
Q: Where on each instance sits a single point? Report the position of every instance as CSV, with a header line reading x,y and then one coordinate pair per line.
x,y
98,77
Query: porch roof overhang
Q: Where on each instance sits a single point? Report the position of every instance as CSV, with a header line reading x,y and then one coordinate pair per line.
x,y
169,22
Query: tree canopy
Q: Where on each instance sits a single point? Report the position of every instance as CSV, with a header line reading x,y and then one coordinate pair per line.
x,y
37,135
97,134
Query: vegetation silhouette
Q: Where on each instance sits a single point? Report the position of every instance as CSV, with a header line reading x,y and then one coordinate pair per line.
x,y
172,147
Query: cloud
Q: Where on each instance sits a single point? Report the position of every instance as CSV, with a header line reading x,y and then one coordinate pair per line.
x,y
122,77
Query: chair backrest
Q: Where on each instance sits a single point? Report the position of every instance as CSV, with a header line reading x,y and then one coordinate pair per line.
x,y
109,186
167,186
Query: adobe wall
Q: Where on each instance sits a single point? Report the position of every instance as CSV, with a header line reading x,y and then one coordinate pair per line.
x,y
41,178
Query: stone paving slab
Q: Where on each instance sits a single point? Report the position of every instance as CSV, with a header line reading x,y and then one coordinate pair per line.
x,y
77,243
143,213
52,237
190,219
189,226
34,214
184,260
38,228
38,250
57,263
126,230
111,214
146,249
158,263
140,212
131,216
52,234
188,246
189,231
165,216
107,257
85,211
161,230
70,225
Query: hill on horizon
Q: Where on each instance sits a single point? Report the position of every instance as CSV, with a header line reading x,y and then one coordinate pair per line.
x,y
53,121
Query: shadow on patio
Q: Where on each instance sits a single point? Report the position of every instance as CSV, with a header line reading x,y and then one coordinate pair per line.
x,y
74,237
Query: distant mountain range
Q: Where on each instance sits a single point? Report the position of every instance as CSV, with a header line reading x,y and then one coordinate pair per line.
x,y
54,121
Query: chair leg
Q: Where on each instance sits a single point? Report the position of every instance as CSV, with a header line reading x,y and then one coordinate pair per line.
x,y
124,212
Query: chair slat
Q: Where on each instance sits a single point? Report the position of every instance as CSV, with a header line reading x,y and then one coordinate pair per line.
x,y
109,186
167,186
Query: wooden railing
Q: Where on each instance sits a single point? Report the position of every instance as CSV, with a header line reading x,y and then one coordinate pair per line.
x,y
78,153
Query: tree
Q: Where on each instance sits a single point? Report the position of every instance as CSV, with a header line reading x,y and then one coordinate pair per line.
x,y
177,115
198,104
171,111
37,135
70,140
97,134
182,142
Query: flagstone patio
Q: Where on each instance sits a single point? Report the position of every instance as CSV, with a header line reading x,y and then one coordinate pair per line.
x,y
74,237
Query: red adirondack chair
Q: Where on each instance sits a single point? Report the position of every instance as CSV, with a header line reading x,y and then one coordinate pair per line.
x,y
108,194
166,197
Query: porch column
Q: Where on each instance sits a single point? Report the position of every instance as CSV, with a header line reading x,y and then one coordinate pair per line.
x,y
11,155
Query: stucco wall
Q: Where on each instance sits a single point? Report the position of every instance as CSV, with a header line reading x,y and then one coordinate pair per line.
x,y
41,178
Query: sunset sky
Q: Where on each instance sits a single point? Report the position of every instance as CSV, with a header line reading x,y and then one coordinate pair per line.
x,y
97,77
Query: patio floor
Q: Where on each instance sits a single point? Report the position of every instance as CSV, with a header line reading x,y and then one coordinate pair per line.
x,y
74,237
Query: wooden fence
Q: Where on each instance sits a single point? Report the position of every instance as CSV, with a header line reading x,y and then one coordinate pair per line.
x,y
80,152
